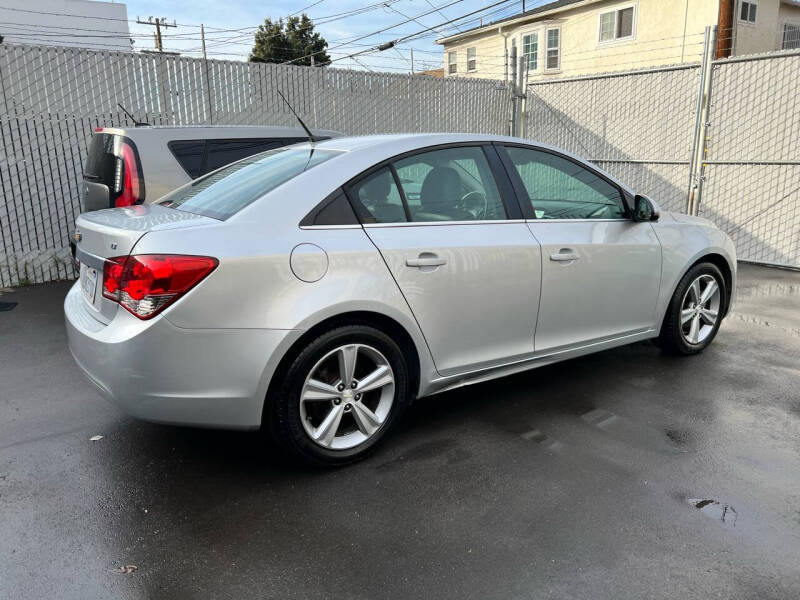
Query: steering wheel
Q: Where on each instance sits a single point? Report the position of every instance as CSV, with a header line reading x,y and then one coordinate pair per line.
x,y
476,203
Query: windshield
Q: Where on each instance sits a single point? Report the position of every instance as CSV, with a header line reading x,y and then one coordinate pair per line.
x,y
225,192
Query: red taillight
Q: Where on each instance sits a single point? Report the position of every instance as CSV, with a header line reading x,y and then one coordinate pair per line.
x,y
148,283
128,181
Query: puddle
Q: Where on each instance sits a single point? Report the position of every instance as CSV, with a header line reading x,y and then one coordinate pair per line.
x,y
535,435
715,510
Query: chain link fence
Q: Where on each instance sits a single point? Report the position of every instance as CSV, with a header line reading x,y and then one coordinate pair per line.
x,y
727,141
751,170
51,98
645,127
636,125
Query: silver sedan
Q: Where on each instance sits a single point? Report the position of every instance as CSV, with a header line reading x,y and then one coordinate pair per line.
x,y
315,290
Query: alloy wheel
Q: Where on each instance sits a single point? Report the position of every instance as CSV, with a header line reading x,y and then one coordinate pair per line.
x,y
700,309
347,396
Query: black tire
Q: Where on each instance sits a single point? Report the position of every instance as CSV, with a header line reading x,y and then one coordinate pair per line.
x,y
672,338
282,409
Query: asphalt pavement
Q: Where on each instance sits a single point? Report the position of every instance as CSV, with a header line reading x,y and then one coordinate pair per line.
x,y
626,474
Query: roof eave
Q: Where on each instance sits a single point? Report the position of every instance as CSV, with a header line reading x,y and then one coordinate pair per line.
x,y
511,21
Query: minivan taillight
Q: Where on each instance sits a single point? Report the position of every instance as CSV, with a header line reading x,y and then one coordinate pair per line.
x,y
128,178
146,284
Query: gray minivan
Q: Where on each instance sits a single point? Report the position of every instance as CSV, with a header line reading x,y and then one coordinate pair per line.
x,y
136,165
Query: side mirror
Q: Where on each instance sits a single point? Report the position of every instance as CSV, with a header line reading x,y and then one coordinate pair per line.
x,y
644,209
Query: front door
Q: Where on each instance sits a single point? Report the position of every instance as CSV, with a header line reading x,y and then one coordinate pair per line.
x,y
470,275
600,270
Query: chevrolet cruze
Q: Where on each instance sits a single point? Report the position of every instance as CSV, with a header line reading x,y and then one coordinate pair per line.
x,y
315,290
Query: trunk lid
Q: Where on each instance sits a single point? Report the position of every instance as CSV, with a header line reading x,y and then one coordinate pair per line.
x,y
111,233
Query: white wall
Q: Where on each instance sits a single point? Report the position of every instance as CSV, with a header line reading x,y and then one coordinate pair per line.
x,y
109,32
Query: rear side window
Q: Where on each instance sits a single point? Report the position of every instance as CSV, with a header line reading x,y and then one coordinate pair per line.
x,y
221,194
379,199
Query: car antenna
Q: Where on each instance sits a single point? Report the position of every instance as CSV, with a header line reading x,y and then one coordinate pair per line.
x,y
311,138
132,118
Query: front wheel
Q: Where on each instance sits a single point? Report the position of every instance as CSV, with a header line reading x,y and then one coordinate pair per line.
x,y
695,311
340,396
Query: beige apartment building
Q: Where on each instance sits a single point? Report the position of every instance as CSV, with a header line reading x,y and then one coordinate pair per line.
x,y
577,37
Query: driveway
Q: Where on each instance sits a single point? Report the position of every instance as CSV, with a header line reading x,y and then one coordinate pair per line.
x,y
627,474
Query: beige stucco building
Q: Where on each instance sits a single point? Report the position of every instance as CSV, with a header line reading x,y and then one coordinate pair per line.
x,y
577,37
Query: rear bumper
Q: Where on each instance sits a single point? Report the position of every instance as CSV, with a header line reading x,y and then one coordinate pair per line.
x,y
158,372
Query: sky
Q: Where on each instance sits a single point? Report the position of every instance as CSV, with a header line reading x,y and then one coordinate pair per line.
x,y
230,24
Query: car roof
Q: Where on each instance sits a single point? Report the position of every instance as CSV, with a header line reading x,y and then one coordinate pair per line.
x,y
382,147
194,132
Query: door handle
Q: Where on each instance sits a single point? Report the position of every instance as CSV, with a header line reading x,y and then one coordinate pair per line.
x,y
565,254
426,260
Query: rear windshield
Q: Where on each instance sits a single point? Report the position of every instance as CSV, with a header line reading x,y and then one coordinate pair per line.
x,y
100,161
223,193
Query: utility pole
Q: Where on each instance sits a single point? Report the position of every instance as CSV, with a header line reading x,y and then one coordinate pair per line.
x,y
412,61
158,24
203,38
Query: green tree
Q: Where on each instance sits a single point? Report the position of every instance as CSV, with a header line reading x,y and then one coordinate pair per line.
x,y
279,41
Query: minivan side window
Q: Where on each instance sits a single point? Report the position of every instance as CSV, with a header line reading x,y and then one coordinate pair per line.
x,y
223,152
189,153
559,188
198,157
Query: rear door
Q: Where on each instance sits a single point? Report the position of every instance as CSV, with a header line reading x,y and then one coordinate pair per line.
x,y
601,271
449,229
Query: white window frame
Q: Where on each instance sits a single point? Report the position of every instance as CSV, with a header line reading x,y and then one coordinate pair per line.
x,y
615,10
452,61
547,48
521,47
747,22
781,31
474,58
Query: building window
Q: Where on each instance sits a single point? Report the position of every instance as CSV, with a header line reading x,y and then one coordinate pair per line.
x,y
553,49
530,51
472,63
452,63
791,36
617,24
747,12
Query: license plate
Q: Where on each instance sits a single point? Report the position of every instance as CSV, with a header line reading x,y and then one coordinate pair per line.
x,y
89,283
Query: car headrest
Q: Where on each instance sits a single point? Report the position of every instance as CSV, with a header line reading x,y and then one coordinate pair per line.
x,y
442,186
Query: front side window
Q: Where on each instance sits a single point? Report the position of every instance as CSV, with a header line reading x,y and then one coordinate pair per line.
x,y
791,36
747,12
553,49
559,188
222,194
472,63
616,24
530,51
452,63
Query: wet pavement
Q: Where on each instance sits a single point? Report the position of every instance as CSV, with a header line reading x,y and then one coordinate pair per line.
x,y
627,474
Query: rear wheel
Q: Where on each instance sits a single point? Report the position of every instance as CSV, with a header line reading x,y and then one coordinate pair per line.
x,y
695,311
340,396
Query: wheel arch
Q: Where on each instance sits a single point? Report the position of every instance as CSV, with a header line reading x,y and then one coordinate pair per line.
x,y
719,261
380,321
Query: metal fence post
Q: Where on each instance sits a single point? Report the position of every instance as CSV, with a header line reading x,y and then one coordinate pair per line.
x,y
706,123
514,115
698,124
